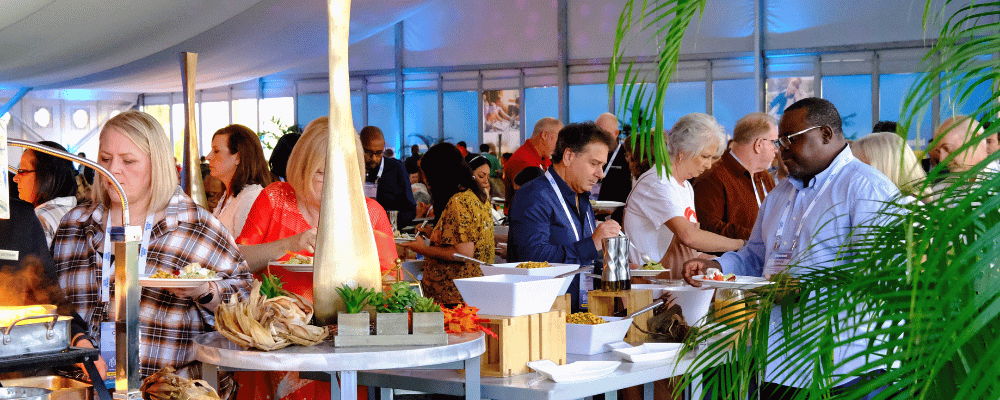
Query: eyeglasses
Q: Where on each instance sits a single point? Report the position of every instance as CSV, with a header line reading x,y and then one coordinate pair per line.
x,y
786,141
776,143
24,171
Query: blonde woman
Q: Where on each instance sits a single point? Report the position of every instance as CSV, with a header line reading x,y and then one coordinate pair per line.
x,y
175,233
889,153
284,218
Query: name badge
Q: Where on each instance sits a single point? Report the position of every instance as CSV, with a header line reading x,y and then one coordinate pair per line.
x,y
108,346
8,255
778,263
371,189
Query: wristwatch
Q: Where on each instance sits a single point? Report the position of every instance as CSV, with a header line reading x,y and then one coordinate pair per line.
x,y
206,298
93,342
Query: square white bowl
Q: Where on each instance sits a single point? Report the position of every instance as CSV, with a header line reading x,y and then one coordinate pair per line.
x,y
509,295
590,339
512,269
648,352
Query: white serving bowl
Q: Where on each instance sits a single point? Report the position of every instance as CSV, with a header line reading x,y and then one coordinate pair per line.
x,y
695,302
590,339
510,295
512,269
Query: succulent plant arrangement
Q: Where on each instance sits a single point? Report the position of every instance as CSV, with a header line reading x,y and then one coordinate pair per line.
x,y
355,298
425,305
397,299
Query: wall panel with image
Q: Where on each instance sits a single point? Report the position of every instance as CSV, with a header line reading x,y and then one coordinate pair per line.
x,y
501,118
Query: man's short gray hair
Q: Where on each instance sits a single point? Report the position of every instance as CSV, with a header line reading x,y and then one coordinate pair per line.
x,y
693,133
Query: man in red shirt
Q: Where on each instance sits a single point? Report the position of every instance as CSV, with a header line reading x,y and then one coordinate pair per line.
x,y
535,152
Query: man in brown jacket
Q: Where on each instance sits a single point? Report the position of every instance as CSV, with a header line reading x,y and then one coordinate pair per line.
x,y
728,196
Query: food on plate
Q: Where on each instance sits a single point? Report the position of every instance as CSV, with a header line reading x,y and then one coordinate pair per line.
x,y
268,323
299,259
166,385
191,271
534,264
584,318
650,265
593,202
713,274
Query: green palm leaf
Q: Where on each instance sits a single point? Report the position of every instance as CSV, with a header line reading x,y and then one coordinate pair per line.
x,y
643,92
917,289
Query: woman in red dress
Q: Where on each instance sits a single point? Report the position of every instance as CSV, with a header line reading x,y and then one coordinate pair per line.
x,y
283,218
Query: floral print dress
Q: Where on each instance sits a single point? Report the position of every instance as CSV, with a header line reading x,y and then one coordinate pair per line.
x,y
465,219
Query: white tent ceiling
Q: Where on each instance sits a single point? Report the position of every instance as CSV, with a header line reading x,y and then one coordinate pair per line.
x,y
132,46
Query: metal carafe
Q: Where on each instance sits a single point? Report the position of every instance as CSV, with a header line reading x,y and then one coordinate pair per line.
x,y
616,274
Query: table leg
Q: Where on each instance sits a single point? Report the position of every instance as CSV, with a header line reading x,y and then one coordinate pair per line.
x,y
348,385
95,379
612,395
472,389
385,393
647,391
210,373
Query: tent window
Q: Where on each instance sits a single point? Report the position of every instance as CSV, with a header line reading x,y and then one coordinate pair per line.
x,y
81,119
43,117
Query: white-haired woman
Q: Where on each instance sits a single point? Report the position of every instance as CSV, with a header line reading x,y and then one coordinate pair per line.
x,y
889,153
660,209
175,233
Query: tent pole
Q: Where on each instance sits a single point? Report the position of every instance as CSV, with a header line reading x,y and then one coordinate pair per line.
x,y
759,67
562,27
14,100
400,104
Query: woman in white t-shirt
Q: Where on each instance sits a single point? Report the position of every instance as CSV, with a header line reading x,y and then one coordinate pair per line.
x,y
660,212
237,159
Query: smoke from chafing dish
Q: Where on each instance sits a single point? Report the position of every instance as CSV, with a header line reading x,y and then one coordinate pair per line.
x,y
27,285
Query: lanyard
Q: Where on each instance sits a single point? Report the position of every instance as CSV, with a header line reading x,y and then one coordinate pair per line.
x,y
147,229
569,216
760,199
791,204
612,159
381,166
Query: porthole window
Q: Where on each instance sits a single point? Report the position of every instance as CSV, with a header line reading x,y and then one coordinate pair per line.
x,y
81,119
43,117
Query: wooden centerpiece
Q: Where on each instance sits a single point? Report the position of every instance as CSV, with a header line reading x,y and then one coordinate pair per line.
x,y
392,319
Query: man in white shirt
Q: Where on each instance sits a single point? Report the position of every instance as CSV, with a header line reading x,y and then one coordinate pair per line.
x,y
806,221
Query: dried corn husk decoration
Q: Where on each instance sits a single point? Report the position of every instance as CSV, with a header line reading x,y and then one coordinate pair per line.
x,y
268,324
166,385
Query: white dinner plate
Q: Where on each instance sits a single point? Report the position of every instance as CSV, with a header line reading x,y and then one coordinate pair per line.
x,y
498,200
293,267
648,352
174,282
606,205
647,272
577,371
741,282
404,238
422,219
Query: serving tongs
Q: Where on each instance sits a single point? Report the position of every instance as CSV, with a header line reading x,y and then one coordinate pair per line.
x,y
464,257
645,309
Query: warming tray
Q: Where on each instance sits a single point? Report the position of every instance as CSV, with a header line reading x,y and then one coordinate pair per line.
x,y
35,335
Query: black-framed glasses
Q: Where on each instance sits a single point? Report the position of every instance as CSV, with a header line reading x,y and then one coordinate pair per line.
x,y
786,141
24,171
776,143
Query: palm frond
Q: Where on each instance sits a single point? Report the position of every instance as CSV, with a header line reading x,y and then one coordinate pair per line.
x,y
666,22
916,291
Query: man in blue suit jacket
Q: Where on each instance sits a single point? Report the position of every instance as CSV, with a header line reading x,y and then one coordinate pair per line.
x,y
551,217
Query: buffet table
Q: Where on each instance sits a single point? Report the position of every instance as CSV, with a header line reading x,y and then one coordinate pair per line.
x,y
462,351
531,385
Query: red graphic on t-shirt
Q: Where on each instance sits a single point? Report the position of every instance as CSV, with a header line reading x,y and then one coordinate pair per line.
x,y
690,215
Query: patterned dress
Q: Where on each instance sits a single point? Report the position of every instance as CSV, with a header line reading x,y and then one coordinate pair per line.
x,y
183,233
465,219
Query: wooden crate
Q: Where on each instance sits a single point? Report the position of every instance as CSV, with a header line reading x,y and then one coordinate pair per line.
x,y
563,303
603,303
523,339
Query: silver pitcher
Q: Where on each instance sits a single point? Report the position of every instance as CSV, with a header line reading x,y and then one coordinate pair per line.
x,y
616,274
